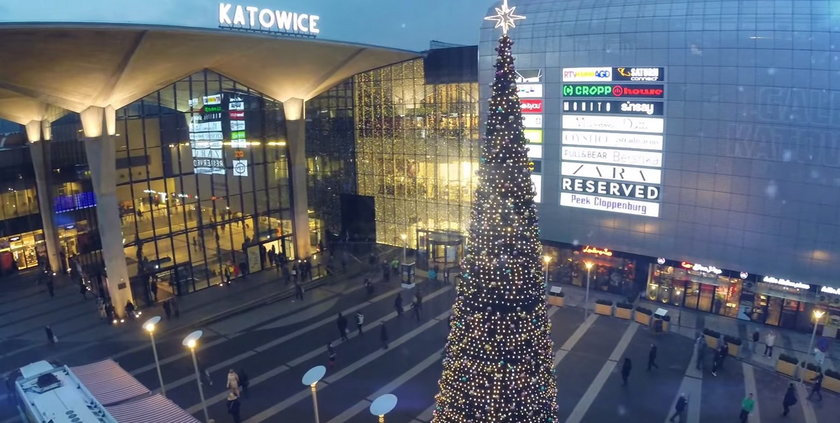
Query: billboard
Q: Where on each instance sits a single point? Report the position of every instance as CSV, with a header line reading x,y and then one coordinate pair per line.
x,y
653,74
614,123
602,74
629,107
614,90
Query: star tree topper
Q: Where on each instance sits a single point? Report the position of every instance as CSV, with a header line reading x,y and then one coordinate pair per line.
x,y
504,17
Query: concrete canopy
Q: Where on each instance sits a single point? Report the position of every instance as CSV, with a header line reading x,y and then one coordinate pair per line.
x,y
75,66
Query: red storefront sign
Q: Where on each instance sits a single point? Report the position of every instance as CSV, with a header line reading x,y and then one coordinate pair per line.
x,y
531,105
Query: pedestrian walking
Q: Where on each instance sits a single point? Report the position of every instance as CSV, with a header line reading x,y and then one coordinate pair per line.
x,y
755,338
167,309
129,309
331,355
625,370
817,388
368,287
679,408
51,338
415,307
398,304
769,342
433,274
790,399
652,357
233,382
298,291
383,335
175,310
243,381
747,405
153,287
227,274
50,287
233,407
360,321
717,362
701,353
342,326
83,289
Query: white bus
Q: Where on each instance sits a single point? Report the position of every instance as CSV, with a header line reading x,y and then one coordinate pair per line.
x,y
51,394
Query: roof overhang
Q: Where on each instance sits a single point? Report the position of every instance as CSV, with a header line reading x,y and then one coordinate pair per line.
x,y
75,66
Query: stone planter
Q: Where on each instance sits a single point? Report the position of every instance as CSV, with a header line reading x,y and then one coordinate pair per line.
x,y
786,368
831,383
711,341
603,309
556,300
733,349
623,313
642,318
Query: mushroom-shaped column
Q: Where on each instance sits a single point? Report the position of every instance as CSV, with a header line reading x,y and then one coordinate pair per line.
x,y
99,126
296,136
39,132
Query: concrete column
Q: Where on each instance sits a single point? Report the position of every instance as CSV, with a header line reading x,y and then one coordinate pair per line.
x,y
296,138
101,157
37,137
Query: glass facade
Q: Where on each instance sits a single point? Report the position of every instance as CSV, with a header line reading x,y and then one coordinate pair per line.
x,y
203,182
416,151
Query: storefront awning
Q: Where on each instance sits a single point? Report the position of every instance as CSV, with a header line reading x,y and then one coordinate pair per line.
x,y
153,409
108,382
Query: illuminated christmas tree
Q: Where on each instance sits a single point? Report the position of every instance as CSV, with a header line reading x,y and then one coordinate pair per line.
x,y
498,365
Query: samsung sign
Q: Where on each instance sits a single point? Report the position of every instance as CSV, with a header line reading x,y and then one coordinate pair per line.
x,y
252,17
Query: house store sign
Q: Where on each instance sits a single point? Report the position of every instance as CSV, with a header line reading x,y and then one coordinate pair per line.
x,y
252,17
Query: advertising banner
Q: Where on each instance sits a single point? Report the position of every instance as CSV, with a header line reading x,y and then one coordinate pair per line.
x,y
605,171
531,105
534,136
604,155
603,74
614,123
650,74
612,139
608,107
610,204
614,90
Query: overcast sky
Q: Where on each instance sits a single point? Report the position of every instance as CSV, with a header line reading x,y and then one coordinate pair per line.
x,y
407,24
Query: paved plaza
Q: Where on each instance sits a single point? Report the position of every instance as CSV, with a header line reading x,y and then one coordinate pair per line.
x,y
275,340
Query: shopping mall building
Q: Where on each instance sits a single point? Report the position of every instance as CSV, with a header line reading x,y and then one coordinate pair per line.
x,y
690,150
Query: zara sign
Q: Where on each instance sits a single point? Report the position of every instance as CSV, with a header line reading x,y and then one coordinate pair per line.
x,y
253,17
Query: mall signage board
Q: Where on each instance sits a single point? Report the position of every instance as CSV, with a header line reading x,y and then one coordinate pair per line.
x,y
530,105
629,107
612,138
529,76
530,90
251,17
614,90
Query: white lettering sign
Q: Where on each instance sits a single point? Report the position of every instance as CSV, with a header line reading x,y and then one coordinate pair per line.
x,y
614,123
706,269
616,173
532,121
830,290
206,127
608,204
602,155
206,136
240,168
267,19
618,189
785,282
587,74
611,139
535,151
530,90
533,136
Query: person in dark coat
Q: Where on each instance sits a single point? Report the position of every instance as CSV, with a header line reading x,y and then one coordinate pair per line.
x,y
167,309
83,289
790,399
625,370
233,407
298,291
154,289
701,353
51,338
342,326
383,335
243,381
817,388
50,287
398,305
652,357
679,408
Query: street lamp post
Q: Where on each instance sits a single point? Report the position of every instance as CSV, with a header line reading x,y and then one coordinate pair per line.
x,y
149,326
818,314
191,341
311,378
546,260
588,265
383,405
404,237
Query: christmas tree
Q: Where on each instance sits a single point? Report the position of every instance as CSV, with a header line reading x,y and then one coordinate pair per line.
x,y
498,364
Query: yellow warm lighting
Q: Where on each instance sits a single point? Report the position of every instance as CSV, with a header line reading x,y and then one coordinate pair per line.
x,y
403,236
818,314
149,327
191,344
588,265
547,259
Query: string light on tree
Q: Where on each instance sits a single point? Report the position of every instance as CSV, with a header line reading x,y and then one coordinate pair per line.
x,y
498,365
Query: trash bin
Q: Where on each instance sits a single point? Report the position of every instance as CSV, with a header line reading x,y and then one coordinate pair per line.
x,y
659,324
